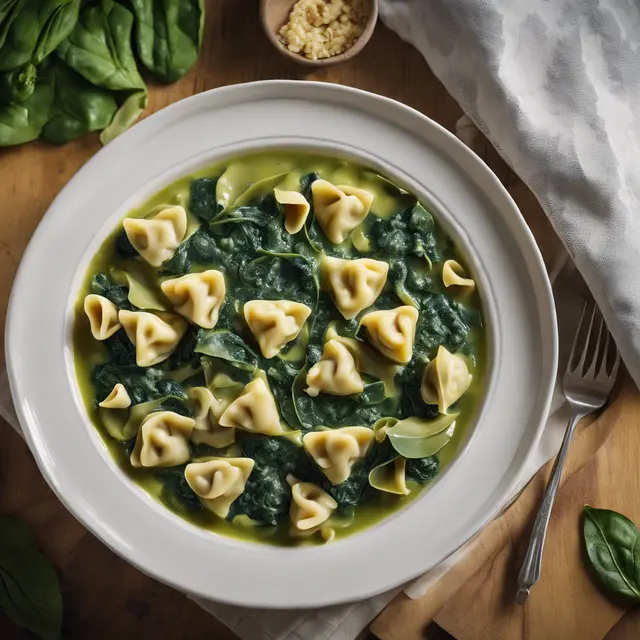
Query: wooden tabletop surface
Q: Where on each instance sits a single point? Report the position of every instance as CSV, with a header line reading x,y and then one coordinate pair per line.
x,y
103,596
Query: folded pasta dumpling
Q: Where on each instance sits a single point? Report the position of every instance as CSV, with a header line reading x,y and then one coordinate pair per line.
x,y
103,316
392,332
163,440
207,411
354,285
157,238
336,450
155,336
197,296
254,411
295,209
275,323
310,505
117,399
339,210
445,379
219,481
390,477
335,373
454,274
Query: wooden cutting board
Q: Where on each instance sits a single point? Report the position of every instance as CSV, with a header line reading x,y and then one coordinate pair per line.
x,y
476,600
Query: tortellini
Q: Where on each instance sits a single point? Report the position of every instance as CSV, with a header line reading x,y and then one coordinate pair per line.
x,y
197,296
336,450
354,285
163,440
339,210
295,209
154,336
156,239
310,505
453,274
275,323
390,477
103,316
335,373
445,379
207,412
392,332
254,411
117,399
219,481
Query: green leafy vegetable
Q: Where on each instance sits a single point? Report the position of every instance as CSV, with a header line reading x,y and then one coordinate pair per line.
x,y
422,469
18,84
203,202
34,29
227,346
415,438
613,549
99,47
128,112
29,588
78,107
23,122
168,35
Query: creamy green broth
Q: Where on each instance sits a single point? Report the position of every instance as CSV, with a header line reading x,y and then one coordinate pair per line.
x,y
243,187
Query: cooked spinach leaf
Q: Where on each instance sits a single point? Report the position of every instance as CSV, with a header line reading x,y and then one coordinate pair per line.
x,y
102,285
176,491
203,202
423,469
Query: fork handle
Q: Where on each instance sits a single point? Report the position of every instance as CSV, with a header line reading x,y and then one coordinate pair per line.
x,y
530,571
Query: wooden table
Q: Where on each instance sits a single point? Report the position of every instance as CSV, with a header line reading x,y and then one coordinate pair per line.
x,y
104,597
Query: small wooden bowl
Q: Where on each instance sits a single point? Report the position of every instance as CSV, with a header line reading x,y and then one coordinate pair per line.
x,y
274,13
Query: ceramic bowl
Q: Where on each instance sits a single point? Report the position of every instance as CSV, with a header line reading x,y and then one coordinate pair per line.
x,y
402,144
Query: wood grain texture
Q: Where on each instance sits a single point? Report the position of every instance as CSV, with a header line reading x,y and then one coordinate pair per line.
x,y
105,597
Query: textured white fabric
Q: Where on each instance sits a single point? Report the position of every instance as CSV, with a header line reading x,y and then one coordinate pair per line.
x,y
554,85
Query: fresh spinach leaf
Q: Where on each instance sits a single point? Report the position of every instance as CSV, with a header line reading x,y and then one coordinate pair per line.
x,y
23,122
78,107
99,47
128,112
18,85
37,27
613,549
168,35
29,589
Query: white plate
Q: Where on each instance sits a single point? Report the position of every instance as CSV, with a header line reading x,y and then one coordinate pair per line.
x,y
405,145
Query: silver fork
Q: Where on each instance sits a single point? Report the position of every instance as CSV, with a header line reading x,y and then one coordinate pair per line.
x,y
587,384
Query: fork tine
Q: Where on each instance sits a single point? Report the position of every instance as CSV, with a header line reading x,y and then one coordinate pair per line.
x,y
616,364
602,329
602,372
574,346
580,365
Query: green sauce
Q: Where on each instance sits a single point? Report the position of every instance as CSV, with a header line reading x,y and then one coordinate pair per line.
x,y
235,226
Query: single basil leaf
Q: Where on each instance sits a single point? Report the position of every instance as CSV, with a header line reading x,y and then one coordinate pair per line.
x,y
128,112
78,107
23,122
168,35
613,549
227,346
99,47
29,589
